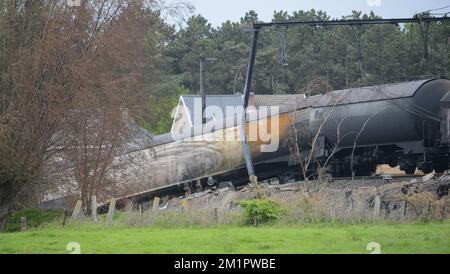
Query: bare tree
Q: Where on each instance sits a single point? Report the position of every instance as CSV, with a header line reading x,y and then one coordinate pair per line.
x,y
356,140
39,77
335,147
58,62
304,155
307,156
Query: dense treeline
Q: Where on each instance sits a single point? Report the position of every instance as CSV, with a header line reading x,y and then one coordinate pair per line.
x,y
318,59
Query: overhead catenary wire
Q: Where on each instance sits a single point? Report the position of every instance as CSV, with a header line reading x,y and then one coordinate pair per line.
x,y
430,12
441,8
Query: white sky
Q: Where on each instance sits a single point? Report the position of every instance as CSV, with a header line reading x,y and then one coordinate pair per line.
x,y
218,12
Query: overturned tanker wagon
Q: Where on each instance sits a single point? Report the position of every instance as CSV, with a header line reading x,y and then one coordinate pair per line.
x,y
353,130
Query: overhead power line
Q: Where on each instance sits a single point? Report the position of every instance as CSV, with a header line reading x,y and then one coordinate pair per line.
x,y
446,7
394,21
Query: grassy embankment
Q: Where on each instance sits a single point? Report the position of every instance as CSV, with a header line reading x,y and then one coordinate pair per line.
x,y
313,238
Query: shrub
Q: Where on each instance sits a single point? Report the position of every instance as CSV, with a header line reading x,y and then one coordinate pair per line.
x,y
306,209
426,206
259,191
261,211
35,217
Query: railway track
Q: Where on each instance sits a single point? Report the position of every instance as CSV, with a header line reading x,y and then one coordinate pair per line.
x,y
379,177
387,177
178,189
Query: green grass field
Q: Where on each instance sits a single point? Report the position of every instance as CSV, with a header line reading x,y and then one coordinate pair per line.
x,y
320,238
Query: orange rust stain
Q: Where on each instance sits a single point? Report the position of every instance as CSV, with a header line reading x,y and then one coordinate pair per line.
x,y
231,149
285,121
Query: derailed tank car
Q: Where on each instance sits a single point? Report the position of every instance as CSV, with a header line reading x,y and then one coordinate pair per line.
x,y
398,124
353,130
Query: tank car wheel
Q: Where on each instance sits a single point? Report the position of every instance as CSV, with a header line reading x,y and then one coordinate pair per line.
x,y
440,165
366,169
427,170
409,170
211,181
341,170
392,164
284,177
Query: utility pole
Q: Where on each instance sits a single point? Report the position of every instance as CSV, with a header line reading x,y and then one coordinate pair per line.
x,y
203,61
248,82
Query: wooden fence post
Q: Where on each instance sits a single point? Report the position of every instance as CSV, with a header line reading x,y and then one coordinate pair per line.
x,y
77,209
94,208
111,209
64,218
404,209
156,203
377,206
216,215
23,224
129,206
185,204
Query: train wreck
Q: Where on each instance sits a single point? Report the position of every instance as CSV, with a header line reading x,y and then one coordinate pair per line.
x,y
346,133
144,127
343,133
